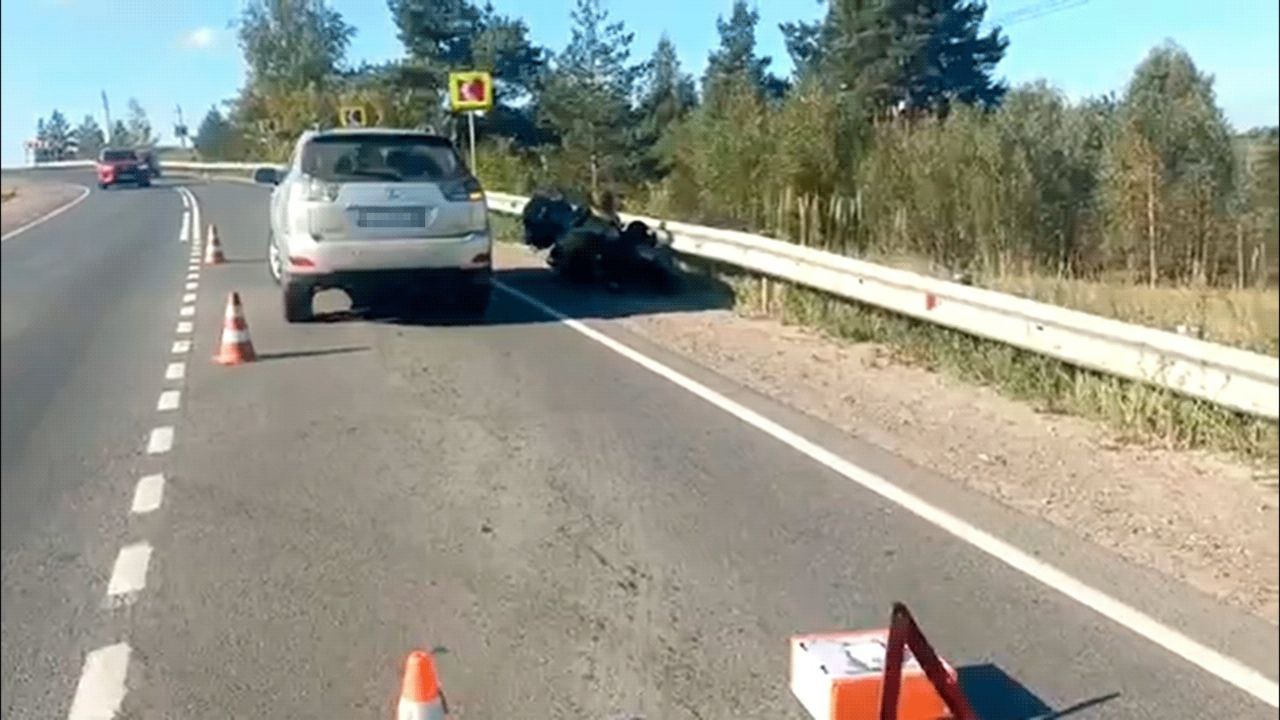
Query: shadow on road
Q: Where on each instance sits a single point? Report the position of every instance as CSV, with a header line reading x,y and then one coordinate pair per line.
x,y
995,695
576,301
286,355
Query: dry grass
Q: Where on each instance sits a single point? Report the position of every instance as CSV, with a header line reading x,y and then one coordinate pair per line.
x,y
1248,319
7,194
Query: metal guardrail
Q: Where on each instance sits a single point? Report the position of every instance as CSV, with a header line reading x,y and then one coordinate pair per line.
x,y
1234,378
1231,377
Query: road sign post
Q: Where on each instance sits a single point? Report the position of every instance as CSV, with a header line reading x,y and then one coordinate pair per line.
x,y
470,93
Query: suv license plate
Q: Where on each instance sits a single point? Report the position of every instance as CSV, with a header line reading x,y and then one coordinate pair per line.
x,y
391,218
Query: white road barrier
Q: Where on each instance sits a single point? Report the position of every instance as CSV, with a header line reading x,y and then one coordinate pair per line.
x,y
1234,378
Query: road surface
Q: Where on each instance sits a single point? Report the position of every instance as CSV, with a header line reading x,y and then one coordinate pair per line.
x,y
579,536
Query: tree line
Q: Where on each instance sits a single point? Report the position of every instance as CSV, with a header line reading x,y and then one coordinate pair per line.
x,y
891,136
60,141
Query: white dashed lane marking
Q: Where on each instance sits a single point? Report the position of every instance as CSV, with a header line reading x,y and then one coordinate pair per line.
x,y
191,285
175,371
130,572
187,311
169,400
184,327
100,691
189,297
148,495
161,440
181,347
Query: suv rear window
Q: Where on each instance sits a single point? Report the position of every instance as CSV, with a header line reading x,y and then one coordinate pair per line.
x,y
118,155
381,158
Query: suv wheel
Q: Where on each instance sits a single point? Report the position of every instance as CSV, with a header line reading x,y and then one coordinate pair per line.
x,y
297,302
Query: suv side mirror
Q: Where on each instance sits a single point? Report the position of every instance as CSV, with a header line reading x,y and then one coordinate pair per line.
x,y
266,176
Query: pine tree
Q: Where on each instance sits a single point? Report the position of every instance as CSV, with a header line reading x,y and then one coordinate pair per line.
x,y
213,136
440,32
89,138
904,55
444,35
58,135
588,95
737,56
120,135
667,94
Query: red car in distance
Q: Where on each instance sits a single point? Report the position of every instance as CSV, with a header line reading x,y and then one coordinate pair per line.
x,y
122,165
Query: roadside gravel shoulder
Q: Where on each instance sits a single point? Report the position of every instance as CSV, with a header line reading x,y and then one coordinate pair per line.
x,y
32,199
1202,518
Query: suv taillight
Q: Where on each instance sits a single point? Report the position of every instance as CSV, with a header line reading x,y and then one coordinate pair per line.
x,y
463,190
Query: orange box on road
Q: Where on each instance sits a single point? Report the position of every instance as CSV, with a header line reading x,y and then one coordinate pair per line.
x,y
839,676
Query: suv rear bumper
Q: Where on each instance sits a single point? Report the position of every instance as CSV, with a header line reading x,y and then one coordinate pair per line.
x,y
447,281
306,256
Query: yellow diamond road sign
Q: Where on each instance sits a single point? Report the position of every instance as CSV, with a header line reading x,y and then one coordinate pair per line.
x,y
353,116
470,91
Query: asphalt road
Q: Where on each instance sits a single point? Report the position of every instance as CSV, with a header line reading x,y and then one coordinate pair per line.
x,y
579,537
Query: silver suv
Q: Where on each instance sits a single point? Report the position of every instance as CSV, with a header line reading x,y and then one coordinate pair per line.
x,y
381,214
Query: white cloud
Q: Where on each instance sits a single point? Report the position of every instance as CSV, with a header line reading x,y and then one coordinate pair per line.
x,y
200,38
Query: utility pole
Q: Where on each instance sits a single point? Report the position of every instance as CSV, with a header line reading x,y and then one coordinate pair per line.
x,y
182,133
106,110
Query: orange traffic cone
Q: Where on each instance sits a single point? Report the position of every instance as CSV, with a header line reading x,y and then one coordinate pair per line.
x,y
213,249
420,697
236,348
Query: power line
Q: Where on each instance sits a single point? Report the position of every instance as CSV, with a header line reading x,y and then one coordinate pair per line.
x,y
1035,10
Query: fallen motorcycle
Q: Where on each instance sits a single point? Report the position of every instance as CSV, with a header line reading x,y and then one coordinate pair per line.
x,y
585,247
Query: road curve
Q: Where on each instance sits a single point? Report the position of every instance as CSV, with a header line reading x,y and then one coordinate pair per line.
x,y
581,537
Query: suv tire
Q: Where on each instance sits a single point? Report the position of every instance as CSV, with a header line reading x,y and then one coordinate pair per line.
x,y
297,302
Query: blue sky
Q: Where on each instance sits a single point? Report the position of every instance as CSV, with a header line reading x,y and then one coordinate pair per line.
x,y
181,52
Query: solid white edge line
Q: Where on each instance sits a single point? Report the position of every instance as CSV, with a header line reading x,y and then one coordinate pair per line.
x,y
161,440
101,689
1225,668
148,495
129,574
184,232
175,371
169,400
180,347
197,232
84,193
